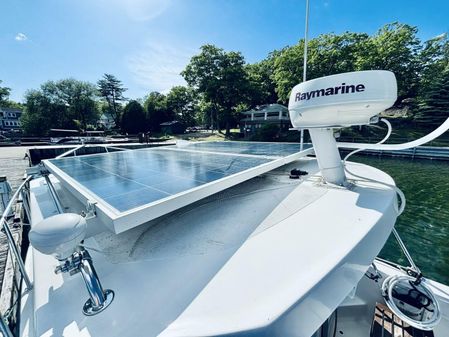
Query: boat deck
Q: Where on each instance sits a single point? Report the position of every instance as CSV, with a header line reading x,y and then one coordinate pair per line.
x,y
255,256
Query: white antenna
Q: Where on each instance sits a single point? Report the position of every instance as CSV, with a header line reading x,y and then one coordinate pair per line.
x,y
306,33
304,68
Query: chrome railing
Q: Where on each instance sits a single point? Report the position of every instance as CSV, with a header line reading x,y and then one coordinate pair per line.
x,y
4,328
12,245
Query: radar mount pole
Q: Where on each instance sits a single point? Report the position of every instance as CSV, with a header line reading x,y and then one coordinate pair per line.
x,y
323,140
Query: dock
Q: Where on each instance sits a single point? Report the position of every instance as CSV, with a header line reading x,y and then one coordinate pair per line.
x,y
419,152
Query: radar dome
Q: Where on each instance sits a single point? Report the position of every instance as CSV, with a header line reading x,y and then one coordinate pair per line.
x,y
342,100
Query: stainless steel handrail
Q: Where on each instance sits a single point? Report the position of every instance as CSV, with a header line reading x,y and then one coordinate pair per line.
x,y
4,328
10,238
54,195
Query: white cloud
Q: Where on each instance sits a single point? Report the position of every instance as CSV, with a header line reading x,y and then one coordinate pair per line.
x,y
158,67
21,37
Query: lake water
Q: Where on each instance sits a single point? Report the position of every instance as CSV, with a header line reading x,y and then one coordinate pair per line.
x,y
424,226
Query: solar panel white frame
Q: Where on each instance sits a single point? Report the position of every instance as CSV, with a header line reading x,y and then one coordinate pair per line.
x,y
121,221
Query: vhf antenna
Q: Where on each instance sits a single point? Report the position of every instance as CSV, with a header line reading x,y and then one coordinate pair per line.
x,y
306,33
304,68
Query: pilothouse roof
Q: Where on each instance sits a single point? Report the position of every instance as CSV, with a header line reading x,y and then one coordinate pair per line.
x,y
133,187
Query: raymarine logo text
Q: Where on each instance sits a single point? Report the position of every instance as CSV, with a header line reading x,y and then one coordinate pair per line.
x,y
343,89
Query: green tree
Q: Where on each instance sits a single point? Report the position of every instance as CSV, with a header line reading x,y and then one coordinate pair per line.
x,y
111,90
261,78
220,76
332,54
5,101
63,104
181,101
327,54
288,69
433,108
38,117
156,110
133,119
81,99
434,59
4,94
207,113
395,47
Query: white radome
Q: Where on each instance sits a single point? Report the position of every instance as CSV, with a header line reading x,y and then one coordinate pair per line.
x,y
342,100
58,235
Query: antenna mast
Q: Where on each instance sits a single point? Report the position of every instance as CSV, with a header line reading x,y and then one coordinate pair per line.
x,y
306,33
304,67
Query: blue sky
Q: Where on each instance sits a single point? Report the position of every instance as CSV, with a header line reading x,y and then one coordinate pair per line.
x,y
146,43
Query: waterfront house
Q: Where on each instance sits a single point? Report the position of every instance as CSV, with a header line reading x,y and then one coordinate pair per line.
x,y
106,122
10,119
265,114
172,127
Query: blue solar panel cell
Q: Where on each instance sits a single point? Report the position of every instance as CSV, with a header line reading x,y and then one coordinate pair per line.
x,y
104,188
126,201
178,185
208,176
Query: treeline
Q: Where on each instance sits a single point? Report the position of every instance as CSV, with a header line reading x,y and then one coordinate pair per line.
x,y
73,104
221,84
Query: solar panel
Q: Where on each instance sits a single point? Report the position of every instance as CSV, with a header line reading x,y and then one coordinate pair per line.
x,y
250,148
133,187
